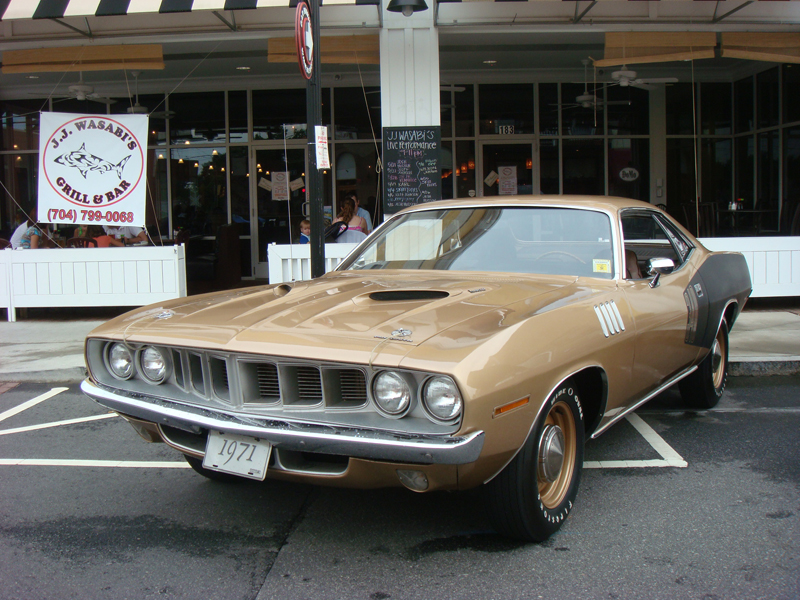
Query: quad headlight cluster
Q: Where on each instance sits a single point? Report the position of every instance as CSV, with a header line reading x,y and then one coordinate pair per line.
x,y
394,393
151,362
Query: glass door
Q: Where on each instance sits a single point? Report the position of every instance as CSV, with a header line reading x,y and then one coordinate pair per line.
x,y
277,198
509,169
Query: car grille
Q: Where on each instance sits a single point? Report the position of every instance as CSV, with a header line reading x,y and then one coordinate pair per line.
x,y
269,386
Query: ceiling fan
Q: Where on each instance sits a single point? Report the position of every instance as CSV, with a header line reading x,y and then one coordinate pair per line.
x,y
84,91
138,109
587,99
627,78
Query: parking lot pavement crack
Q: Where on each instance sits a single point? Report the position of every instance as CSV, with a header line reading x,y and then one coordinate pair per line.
x,y
282,535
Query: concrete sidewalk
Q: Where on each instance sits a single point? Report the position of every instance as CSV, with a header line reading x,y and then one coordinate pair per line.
x,y
47,346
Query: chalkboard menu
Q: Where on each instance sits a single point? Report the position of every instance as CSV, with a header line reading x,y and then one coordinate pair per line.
x,y
411,170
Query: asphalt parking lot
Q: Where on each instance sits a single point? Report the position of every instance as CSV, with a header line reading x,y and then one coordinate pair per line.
x,y
673,504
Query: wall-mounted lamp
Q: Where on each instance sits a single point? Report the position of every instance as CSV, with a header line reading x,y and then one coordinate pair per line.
x,y
407,7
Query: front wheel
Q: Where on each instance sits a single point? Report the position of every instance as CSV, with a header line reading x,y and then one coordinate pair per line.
x,y
703,388
534,494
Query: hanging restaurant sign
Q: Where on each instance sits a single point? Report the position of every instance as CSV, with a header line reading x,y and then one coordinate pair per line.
x,y
304,39
92,169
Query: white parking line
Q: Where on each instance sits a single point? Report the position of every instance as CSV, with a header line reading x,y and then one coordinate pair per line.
x,y
669,458
57,423
33,402
136,464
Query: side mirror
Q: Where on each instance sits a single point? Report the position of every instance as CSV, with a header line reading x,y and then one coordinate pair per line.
x,y
658,267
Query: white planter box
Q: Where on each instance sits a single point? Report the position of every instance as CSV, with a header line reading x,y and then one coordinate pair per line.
x,y
292,262
774,262
132,276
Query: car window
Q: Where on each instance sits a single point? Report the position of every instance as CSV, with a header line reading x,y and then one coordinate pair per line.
x,y
650,235
556,241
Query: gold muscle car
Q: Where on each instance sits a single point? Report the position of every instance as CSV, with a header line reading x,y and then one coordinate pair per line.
x,y
464,343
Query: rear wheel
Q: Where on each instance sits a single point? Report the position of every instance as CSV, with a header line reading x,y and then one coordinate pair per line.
x,y
534,494
197,465
703,388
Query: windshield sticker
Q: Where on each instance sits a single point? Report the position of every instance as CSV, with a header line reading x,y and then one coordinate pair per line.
x,y
601,265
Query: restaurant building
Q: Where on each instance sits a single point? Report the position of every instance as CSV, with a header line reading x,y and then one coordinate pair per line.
x,y
688,104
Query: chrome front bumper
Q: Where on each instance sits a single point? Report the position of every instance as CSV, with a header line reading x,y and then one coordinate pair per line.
x,y
371,444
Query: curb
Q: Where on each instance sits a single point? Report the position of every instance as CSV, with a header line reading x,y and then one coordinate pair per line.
x,y
762,368
76,374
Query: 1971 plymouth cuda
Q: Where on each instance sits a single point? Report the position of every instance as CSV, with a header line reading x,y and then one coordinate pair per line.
x,y
465,343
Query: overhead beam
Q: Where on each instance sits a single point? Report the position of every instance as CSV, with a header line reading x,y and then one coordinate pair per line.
x,y
83,33
717,19
84,58
232,24
577,19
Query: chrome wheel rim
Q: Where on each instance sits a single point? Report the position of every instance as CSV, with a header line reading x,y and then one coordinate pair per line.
x,y
557,449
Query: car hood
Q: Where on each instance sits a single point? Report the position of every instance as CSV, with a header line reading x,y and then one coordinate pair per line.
x,y
406,307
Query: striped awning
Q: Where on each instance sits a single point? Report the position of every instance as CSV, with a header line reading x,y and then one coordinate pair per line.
x,y
57,9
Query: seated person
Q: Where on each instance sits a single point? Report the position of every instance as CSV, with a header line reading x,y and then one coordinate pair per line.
x,y
34,236
101,237
16,237
127,235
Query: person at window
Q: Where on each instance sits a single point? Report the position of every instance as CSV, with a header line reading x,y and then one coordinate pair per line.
x,y
127,235
363,213
305,231
356,226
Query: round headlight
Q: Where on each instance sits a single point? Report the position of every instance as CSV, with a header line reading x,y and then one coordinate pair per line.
x,y
441,398
391,393
154,364
120,361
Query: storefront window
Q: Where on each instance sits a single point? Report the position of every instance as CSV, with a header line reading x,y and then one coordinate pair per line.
x,y
465,111
356,172
197,118
237,116
199,191
20,179
279,114
548,167
717,160
715,108
358,113
584,167
681,180
680,109
506,109
157,198
768,181
791,177
628,110
465,155
577,119
744,173
548,108
791,92
20,120
743,104
446,105
629,168
768,96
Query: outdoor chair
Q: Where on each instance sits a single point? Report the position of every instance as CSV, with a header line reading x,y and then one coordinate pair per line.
x,y
4,244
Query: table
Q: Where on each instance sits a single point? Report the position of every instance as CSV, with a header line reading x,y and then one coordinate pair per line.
x,y
735,218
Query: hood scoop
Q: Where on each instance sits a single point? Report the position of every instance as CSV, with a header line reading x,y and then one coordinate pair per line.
x,y
407,295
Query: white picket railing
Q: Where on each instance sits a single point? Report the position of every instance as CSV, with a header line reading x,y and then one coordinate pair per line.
x,y
292,262
132,276
774,262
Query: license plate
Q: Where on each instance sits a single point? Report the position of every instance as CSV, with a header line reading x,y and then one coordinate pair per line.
x,y
237,455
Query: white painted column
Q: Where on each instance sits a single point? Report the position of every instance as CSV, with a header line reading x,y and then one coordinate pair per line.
x,y
409,69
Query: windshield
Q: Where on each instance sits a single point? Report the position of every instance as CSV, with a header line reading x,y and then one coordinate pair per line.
x,y
557,241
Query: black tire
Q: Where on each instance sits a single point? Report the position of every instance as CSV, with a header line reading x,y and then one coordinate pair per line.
x,y
197,465
703,388
530,499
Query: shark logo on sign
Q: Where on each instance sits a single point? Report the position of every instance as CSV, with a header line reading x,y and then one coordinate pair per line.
x,y
93,168
85,162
